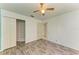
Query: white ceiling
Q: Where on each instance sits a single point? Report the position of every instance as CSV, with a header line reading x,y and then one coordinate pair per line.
x,y
28,8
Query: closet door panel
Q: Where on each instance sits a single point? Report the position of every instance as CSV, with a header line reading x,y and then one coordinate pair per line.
x,y
9,32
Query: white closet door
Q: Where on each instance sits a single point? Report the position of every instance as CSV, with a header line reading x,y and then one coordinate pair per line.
x,y
9,32
41,30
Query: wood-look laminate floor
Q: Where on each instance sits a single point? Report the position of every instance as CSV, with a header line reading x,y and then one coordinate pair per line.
x,y
39,47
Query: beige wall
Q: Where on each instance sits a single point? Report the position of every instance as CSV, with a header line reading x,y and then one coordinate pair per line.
x,y
64,29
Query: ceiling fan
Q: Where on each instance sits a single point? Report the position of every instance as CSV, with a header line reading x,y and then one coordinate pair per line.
x,y
43,8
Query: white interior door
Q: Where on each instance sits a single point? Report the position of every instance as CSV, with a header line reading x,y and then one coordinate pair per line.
x,y
9,32
42,29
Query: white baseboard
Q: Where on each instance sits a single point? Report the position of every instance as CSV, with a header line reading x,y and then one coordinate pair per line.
x,y
31,40
1,50
63,45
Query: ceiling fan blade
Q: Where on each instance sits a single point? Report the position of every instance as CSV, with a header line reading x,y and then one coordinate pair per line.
x,y
35,11
31,15
41,4
50,9
43,14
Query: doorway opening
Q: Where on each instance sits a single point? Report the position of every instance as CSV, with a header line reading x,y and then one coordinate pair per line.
x,y
20,32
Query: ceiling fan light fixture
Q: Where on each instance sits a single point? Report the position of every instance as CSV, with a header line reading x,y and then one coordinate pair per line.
x,y
42,11
43,8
